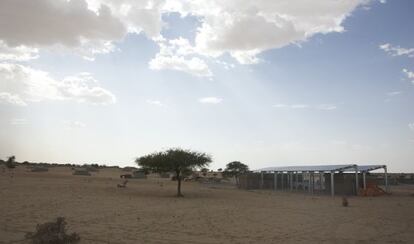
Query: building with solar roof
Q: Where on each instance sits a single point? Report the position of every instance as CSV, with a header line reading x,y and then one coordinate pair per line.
x,y
344,179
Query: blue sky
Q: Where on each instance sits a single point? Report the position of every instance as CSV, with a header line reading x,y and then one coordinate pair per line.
x,y
235,82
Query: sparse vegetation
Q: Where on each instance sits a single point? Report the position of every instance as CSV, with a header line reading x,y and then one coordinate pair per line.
x,y
11,161
344,202
179,161
52,233
235,169
204,171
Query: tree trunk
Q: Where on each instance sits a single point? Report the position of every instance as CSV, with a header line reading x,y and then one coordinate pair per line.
x,y
179,185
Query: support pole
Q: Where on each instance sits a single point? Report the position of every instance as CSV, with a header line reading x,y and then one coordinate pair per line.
x,y
309,183
320,181
332,184
313,182
275,180
291,181
261,180
364,180
296,186
303,181
356,180
386,178
283,183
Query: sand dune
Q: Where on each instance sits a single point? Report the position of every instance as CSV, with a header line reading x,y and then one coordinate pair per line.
x,y
147,212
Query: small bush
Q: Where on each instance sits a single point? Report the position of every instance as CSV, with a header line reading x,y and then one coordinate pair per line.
x,y
52,233
344,202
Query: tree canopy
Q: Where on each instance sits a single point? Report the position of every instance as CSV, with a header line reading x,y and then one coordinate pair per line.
x,y
10,163
175,160
235,169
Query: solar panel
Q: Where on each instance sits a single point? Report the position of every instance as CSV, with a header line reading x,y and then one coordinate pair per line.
x,y
322,168
307,168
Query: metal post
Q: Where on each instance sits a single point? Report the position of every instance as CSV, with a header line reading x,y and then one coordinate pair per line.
x,y
364,180
309,182
303,181
386,178
356,180
332,184
287,180
283,184
291,181
296,186
313,182
261,180
320,181
275,178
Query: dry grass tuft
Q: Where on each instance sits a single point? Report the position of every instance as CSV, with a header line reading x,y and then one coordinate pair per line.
x,y
52,233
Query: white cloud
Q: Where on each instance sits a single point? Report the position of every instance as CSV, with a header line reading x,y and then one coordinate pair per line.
x,y
86,27
136,15
8,98
397,50
246,57
291,106
194,66
306,106
391,95
177,54
326,107
224,64
383,1
394,93
22,84
156,103
45,23
17,122
232,26
210,100
409,74
19,53
411,126
91,27
68,124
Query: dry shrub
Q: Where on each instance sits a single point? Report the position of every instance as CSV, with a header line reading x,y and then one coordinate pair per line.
x,y
344,202
52,233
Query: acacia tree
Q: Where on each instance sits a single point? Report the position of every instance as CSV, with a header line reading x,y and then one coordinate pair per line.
x,y
175,160
10,163
235,169
204,171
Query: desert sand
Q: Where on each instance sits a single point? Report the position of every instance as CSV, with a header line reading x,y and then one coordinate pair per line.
x,y
147,211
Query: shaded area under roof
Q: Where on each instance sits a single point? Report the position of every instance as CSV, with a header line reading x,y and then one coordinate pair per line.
x,y
323,168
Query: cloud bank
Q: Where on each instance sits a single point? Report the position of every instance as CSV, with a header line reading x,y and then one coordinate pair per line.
x,y
241,28
21,85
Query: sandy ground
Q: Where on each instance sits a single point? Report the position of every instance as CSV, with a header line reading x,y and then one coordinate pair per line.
x,y
147,212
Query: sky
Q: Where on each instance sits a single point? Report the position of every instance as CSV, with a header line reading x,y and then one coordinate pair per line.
x,y
267,83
